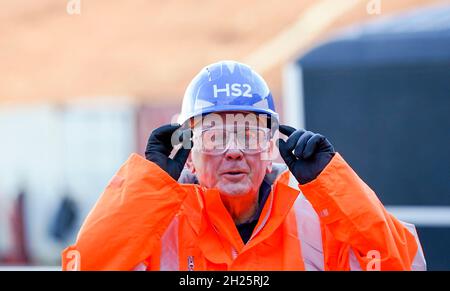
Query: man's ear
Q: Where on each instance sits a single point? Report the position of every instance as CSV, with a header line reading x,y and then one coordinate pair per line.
x,y
190,164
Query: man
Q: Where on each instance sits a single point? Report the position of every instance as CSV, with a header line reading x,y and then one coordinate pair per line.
x,y
231,208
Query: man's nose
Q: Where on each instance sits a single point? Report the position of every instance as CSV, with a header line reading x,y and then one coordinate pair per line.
x,y
234,154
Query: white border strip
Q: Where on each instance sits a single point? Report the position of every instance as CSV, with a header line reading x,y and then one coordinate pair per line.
x,y
422,215
30,268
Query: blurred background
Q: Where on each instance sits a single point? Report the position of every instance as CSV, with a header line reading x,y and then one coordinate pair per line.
x,y
84,82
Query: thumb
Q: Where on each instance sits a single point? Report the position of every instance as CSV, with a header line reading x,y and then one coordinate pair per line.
x,y
287,155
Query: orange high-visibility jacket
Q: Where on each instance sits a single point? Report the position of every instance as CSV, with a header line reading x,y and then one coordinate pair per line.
x,y
145,220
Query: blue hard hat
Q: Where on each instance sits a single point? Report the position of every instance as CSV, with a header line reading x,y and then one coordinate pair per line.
x,y
227,86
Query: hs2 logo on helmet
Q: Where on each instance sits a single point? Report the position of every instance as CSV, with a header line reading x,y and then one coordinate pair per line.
x,y
234,89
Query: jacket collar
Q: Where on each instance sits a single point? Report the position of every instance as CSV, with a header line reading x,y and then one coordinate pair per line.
x,y
273,212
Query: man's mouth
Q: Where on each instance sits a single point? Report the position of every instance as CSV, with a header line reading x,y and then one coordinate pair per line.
x,y
234,175
234,172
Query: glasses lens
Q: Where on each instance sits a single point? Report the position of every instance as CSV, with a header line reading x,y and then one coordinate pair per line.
x,y
252,139
212,140
218,140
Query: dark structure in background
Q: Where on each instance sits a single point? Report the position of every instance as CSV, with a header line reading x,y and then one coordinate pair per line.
x,y
381,93
64,223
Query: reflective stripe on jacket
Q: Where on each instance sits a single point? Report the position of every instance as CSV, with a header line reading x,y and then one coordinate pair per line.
x,y
145,220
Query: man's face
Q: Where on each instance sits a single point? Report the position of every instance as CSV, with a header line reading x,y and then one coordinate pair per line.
x,y
233,172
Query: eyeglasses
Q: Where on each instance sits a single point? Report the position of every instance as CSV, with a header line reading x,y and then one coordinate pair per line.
x,y
217,140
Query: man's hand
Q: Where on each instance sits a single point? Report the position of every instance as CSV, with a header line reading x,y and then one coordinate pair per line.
x,y
160,146
312,152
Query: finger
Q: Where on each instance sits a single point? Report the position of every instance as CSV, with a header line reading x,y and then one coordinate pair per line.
x,y
176,137
181,156
186,138
291,142
312,145
164,133
161,139
301,144
285,153
286,130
